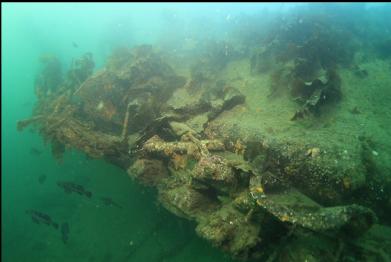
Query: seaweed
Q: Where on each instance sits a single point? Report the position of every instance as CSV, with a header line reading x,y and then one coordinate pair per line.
x,y
80,70
303,58
249,195
50,79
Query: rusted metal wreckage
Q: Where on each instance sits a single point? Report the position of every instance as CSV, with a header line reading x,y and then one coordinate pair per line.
x,y
248,194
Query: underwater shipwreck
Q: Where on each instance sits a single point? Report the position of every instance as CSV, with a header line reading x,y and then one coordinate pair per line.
x,y
257,140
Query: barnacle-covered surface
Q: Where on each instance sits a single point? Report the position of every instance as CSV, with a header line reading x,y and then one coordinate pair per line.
x,y
265,147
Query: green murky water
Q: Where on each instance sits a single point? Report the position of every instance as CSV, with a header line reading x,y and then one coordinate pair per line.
x,y
142,230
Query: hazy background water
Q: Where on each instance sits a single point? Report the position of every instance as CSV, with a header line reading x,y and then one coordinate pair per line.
x,y
142,230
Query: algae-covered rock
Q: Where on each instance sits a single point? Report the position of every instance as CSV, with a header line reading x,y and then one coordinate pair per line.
x,y
223,153
295,208
187,202
181,128
148,172
214,171
139,84
228,229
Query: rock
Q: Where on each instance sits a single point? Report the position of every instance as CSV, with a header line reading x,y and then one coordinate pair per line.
x,y
215,172
186,202
293,207
149,172
228,229
180,129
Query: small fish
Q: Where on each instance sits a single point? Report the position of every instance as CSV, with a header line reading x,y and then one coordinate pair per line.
x,y
39,217
42,179
35,151
109,202
72,187
75,45
64,232
355,111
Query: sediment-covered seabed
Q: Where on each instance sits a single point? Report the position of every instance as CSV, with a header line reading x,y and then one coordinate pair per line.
x,y
275,140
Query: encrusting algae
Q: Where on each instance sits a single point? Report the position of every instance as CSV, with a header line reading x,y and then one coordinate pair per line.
x,y
253,189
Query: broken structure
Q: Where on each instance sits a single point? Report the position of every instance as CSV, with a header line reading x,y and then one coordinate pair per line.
x,y
202,144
